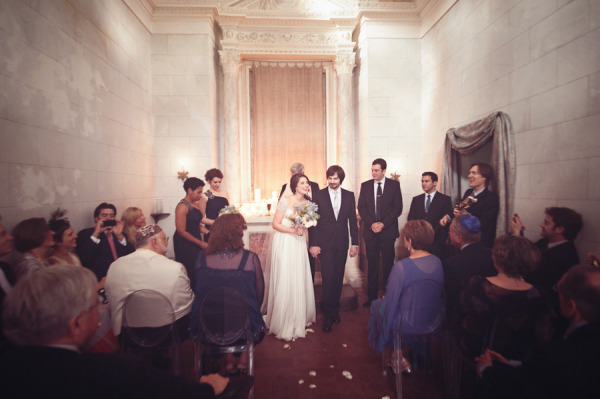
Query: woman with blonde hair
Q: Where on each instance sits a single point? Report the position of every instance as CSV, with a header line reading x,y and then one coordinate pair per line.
x,y
133,218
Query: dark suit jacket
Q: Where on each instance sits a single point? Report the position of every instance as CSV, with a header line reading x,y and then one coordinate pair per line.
x,y
486,210
314,187
98,257
440,205
473,260
44,372
329,232
567,369
391,208
555,262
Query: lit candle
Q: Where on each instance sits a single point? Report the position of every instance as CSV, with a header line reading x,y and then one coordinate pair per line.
x,y
257,195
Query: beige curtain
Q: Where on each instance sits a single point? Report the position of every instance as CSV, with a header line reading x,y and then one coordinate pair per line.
x,y
467,140
288,122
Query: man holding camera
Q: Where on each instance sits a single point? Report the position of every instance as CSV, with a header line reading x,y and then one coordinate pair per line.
x,y
102,244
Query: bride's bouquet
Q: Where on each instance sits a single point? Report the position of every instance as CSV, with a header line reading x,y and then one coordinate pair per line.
x,y
305,216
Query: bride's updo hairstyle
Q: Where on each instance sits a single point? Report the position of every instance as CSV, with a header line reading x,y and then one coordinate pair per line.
x,y
295,180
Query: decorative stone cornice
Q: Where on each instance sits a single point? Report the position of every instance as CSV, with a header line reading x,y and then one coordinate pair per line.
x,y
230,60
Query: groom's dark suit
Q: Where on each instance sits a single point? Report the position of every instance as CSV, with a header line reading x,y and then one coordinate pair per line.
x,y
331,235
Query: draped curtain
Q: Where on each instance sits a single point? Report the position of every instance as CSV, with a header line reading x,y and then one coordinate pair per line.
x,y
288,122
467,140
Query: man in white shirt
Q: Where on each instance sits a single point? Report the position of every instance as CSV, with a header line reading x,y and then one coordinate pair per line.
x,y
149,268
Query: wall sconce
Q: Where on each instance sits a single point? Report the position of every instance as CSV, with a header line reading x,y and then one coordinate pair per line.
x,y
183,175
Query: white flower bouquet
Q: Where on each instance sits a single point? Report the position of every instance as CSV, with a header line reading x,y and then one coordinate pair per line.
x,y
305,216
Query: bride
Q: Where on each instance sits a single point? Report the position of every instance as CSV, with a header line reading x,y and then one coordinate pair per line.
x,y
291,299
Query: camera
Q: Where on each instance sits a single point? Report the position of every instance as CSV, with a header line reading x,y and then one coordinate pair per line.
x,y
108,223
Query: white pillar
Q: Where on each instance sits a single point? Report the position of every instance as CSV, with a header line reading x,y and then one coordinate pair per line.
x,y
230,61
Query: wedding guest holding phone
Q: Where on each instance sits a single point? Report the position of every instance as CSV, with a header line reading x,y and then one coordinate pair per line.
x,y
212,200
99,246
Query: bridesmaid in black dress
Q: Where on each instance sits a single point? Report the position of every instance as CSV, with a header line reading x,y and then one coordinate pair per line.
x,y
187,240
214,199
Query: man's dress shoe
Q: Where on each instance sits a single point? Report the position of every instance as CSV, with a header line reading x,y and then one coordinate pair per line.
x,y
326,325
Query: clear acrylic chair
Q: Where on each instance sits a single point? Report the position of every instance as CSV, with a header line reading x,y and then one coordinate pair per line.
x,y
148,326
223,327
421,316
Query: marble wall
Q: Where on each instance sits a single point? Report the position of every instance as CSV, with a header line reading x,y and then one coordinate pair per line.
x,y
539,62
75,109
184,94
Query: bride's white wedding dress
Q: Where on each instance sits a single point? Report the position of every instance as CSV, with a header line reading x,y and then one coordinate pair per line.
x,y
291,298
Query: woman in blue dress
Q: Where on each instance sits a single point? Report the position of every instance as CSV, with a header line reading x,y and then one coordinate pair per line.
x,y
385,318
187,240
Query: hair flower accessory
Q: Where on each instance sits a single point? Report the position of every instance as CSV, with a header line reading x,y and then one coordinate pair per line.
x,y
229,209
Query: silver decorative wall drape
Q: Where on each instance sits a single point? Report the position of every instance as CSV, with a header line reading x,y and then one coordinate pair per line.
x,y
468,139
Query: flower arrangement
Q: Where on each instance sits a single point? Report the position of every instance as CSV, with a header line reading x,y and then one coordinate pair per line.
x,y
305,216
228,210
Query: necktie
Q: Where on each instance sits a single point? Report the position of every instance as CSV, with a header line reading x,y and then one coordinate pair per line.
x,y
111,243
428,202
377,202
336,204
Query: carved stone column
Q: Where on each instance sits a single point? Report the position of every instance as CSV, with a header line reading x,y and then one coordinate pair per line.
x,y
230,61
344,64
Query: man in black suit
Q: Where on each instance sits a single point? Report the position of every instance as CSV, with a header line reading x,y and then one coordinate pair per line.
x,y
486,207
560,228
329,240
566,369
379,206
473,260
47,333
296,168
432,206
102,244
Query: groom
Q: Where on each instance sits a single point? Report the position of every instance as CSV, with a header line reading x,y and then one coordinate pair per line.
x,y
329,240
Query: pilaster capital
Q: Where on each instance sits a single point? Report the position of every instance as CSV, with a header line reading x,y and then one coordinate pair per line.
x,y
344,63
230,60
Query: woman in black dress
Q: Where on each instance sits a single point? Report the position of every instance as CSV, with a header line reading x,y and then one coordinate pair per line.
x,y
214,199
187,240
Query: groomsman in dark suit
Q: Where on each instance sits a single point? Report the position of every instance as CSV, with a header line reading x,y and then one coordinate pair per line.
x,y
296,168
487,206
432,206
101,245
329,240
379,206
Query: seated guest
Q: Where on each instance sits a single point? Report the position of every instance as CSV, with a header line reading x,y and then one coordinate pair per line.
x,y
47,317
225,263
33,238
102,244
558,230
65,240
385,318
473,260
501,312
6,275
133,218
568,369
149,268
